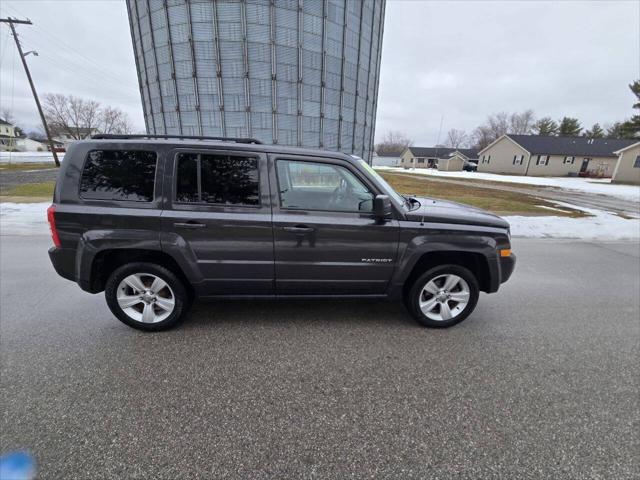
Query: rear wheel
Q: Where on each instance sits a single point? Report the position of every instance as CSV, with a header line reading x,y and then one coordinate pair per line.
x,y
443,296
146,296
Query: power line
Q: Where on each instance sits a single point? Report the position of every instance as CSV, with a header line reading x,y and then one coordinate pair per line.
x,y
12,22
73,51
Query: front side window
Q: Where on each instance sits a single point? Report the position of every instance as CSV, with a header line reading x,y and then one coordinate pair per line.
x,y
217,179
636,164
321,186
119,175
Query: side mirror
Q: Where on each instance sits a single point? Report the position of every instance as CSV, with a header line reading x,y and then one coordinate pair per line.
x,y
382,206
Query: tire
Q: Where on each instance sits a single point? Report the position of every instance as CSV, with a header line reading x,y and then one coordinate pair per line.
x,y
148,310
444,307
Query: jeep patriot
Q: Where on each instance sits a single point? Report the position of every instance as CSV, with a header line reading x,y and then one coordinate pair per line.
x,y
158,221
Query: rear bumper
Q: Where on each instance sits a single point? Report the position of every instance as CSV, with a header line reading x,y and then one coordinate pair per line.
x,y
64,262
507,266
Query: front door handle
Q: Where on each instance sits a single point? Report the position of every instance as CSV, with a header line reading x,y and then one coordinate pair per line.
x,y
299,229
190,225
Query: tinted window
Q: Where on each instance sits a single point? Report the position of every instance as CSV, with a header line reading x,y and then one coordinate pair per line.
x,y
321,186
119,175
217,179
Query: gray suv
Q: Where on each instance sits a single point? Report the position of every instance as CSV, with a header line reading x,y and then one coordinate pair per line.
x,y
156,222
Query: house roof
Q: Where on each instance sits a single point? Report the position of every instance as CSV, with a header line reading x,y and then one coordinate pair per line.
x,y
441,152
4,122
633,145
593,147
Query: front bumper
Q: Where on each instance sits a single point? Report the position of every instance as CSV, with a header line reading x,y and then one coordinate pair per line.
x,y
507,266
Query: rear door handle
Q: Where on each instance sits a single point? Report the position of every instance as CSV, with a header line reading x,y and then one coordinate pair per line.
x,y
190,225
299,229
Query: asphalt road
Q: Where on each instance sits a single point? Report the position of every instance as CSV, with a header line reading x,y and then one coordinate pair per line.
x,y
11,178
541,382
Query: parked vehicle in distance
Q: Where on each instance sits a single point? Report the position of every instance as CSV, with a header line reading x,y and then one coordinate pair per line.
x,y
156,222
470,166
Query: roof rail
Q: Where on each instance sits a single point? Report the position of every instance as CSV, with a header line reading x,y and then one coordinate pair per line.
x,y
109,136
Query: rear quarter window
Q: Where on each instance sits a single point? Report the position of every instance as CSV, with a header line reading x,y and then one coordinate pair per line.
x,y
127,175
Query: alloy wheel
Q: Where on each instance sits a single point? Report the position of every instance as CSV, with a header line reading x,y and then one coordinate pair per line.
x,y
444,297
145,298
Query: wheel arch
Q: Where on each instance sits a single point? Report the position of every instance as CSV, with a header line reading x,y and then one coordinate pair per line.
x,y
477,263
106,261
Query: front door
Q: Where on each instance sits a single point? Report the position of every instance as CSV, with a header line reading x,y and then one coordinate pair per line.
x,y
585,165
327,241
219,218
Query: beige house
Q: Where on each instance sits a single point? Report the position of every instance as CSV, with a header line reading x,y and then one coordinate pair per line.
x,y
628,167
431,157
547,156
455,163
66,136
7,135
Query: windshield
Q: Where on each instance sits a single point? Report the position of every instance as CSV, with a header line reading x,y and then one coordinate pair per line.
x,y
392,193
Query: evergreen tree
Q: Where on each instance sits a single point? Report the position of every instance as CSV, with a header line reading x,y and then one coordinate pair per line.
x,y
631,128
615,131
546,126
596,132
569,127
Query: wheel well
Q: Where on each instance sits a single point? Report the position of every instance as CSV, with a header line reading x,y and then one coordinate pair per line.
x,y
475,262
107,261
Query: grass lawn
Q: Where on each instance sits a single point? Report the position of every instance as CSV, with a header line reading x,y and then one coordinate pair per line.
x,y
496,201
37,191
7,167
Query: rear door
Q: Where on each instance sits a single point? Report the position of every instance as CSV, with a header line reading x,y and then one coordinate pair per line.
x,y
326,239
219,217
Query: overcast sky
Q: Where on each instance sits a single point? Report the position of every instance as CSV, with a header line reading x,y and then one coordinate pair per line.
x,y
454,61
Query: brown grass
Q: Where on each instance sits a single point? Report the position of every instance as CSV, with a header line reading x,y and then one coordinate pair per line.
x,y
496,201
26,166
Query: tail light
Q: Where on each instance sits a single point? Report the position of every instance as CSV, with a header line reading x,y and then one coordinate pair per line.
x,y
51,218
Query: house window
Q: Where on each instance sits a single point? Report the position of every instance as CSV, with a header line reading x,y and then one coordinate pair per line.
x,y
421,160
542,160
518,159
636,164
569,160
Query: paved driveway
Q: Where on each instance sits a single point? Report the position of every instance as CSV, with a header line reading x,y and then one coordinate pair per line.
x,y
542,382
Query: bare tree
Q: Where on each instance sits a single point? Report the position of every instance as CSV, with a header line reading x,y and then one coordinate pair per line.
x,y
7,116
114,120
482,136
498,124
521,123
76,116
456,138
393,144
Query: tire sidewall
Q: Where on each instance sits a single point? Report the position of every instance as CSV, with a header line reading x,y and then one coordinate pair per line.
x,y
179,292
413,299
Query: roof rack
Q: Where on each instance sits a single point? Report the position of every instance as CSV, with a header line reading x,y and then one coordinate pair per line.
x,y
105,136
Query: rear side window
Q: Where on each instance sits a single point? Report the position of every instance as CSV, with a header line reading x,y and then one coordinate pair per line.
x,y
119,175
217,179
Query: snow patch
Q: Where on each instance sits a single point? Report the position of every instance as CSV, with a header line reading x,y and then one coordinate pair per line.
x,y
24,218
28,157
587,185
599,226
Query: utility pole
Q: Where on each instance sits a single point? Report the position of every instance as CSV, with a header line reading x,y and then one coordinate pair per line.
x,y
11,21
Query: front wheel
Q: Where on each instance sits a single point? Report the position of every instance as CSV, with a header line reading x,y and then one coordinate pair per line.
x,y
146,296
443,296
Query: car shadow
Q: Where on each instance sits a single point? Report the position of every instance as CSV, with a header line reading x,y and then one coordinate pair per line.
x,y
288,312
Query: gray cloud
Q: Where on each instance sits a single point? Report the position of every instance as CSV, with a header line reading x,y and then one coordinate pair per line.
x,y
460,60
